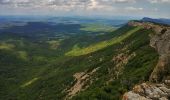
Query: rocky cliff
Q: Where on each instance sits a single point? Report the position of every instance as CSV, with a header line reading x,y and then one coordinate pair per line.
x,y
159,80
148,91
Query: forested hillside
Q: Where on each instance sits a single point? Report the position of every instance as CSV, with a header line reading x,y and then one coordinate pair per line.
x,y
87,66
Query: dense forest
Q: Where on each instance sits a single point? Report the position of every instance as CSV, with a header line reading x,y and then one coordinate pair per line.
x,y
47,61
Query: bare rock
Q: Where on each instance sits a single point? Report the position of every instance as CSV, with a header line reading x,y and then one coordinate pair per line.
x,y
160,40
81,78
163,98
148,91
133,96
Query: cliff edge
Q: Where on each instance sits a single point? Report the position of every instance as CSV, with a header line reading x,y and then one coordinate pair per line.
x,y
158,87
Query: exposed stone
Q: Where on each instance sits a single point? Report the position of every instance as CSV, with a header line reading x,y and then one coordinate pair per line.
x,y
133,96
81,79
161,42
148,91
167,82
163,98
120,60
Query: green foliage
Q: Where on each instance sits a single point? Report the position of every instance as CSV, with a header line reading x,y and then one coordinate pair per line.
x,y
32,70
135,71
54,44
97,28
92,48
6,46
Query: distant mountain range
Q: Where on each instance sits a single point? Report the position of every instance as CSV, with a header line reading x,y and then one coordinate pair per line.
x,y
159,21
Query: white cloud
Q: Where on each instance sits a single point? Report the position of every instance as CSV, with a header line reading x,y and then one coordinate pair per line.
x,y
66,2
159,1
114,7
133,9
165,1
125,1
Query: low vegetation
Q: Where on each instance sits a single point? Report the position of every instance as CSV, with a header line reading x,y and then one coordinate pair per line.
x,y
97,28
77,51
39,68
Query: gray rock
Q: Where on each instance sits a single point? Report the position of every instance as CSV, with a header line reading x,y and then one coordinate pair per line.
x,y
163,98
148,91
160,40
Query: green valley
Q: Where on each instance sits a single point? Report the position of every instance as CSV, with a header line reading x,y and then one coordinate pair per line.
x,y
65,66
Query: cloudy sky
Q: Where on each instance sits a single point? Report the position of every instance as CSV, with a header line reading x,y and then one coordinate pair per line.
x,y
136,8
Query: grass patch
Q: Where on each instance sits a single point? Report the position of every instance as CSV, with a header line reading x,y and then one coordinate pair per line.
x,y
54,44
29,82
6,46
23,55
77,51
97,28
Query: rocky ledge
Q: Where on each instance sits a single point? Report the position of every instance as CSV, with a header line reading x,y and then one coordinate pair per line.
x,y
160,40
147,91
159,81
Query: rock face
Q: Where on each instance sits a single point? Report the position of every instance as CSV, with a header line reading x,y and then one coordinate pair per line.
x,y
120,60
81,78
147,91
160,40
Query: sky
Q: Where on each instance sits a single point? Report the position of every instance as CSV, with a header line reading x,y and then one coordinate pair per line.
x,y
135,8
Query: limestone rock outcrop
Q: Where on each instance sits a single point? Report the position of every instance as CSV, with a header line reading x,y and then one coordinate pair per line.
x,y
160,40
158,87
147,91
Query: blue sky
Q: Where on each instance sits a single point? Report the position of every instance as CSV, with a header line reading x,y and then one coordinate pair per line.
x,y
135,8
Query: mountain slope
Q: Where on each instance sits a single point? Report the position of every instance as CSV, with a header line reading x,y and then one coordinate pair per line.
x,y
103,70
158,85
76,51
130,62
